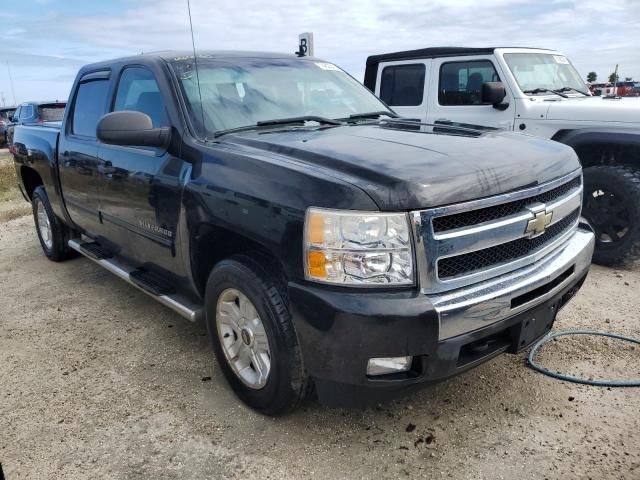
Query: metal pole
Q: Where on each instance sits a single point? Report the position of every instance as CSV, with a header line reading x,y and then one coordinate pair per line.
x,y
13,92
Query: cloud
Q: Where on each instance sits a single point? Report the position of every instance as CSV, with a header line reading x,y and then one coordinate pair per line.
x,y
594,34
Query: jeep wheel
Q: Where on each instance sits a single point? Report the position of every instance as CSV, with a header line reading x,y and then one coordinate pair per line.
x,y
53,234
253,337
612,206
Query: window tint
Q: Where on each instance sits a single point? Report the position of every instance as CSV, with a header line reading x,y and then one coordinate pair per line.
x,y
90,105
461,82
138,91
402,85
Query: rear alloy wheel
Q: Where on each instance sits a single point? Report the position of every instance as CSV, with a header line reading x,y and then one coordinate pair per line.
x,y
612,207
53,234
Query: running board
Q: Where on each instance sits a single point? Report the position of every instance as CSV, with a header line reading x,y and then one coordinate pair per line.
x,y
175,302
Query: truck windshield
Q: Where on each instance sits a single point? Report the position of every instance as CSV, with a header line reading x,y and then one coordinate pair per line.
x,y
240,92
541,73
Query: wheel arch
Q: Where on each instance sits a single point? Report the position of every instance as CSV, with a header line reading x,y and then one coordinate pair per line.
x,y
210,244
30,179
603,146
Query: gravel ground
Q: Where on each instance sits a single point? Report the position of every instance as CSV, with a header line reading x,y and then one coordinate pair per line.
x,y
99,381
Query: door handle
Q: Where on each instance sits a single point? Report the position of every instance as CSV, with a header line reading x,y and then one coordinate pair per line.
x,y
107,169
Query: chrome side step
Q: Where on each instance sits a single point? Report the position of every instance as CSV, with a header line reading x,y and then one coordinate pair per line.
x,y
175,302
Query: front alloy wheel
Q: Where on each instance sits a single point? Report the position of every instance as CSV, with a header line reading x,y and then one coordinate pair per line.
x,y
243,338
253,335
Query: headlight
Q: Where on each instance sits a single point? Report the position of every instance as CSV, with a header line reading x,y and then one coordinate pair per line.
x,y
357,248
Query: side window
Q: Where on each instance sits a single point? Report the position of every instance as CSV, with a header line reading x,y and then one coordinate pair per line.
x,y
402,85
461,82
26,112
90,104
138,91
16,114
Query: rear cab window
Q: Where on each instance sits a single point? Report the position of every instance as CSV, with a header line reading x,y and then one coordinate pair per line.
x,y
90,103
51,112
460,83
403,85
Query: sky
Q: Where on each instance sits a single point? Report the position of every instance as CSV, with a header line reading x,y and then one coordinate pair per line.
x,y
44,42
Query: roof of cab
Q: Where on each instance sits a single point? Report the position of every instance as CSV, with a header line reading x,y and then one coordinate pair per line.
x,y
170,55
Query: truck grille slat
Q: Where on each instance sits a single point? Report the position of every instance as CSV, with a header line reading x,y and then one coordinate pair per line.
x,y
470,262
474,217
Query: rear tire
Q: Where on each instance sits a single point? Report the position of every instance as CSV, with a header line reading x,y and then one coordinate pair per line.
x,y
612,207
53,234
286,383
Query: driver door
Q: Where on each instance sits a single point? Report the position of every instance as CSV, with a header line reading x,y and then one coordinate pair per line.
x,y
458,96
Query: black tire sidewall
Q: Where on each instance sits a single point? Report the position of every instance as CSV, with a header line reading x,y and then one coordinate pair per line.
x,y
624,183
279,394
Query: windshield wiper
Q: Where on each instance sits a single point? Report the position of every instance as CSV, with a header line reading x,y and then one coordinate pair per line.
x,y
373,114
571,89
278,121
301,119
544,90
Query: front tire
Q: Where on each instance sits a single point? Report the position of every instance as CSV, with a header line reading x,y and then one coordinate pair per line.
x,y
253,336
612,207
53,234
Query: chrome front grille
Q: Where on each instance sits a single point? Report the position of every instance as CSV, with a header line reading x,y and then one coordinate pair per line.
x,y
471,242
473,217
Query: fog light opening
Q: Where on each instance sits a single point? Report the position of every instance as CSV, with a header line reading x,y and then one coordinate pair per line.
x,y
384,366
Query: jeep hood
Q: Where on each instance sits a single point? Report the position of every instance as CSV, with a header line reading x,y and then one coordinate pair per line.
x,y
410,170
596,109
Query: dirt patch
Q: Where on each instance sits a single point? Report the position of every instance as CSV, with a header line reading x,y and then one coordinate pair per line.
x,y
95,384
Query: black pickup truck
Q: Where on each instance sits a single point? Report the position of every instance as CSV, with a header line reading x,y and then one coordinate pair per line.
x,y
327,244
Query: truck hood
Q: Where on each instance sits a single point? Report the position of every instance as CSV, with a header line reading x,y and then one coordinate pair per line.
x,y
410,170
596,109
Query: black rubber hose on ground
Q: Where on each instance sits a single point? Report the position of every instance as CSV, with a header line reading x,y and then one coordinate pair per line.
x,y
585,381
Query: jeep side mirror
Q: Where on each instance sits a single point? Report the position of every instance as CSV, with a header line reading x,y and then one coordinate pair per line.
x,y
493,93
130,128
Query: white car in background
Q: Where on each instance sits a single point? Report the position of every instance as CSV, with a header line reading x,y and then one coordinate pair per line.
x,y
536,92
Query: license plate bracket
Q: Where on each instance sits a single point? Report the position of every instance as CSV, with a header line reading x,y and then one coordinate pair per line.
x,y
536,323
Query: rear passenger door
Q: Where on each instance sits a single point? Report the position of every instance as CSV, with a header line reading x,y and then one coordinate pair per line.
x,y
140,187
457,98
78,150
403,86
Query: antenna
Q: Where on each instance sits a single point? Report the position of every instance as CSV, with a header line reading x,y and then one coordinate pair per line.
x,y
13,92
195,62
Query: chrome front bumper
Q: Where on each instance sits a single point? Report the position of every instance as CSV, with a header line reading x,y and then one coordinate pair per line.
x,y
476,306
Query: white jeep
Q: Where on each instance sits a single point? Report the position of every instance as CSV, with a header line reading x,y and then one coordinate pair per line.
x,y
536,92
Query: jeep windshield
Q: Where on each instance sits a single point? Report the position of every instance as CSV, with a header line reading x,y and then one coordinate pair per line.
x,y
544,74
240,93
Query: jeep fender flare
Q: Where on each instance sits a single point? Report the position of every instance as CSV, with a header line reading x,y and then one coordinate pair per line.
x,y
590,136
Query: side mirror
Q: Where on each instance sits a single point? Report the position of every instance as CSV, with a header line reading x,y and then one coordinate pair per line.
x,y
130,128
493,93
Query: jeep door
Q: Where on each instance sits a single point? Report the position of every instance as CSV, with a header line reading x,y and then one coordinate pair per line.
x,y
458,96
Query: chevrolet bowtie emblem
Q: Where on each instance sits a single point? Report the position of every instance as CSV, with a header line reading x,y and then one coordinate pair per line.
x,y
541,220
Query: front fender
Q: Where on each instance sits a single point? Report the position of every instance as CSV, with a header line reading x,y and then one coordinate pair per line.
x,y
598,136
